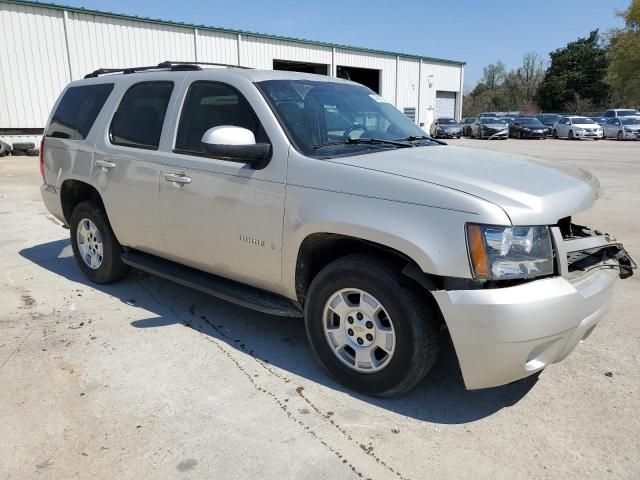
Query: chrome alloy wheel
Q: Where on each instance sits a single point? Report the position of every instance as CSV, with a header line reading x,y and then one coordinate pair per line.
x,y
89,243
359,330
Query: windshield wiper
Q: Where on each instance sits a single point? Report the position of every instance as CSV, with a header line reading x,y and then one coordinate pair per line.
x,y
413,138
367,141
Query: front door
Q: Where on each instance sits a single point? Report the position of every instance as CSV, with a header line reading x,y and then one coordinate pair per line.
x,y
216,215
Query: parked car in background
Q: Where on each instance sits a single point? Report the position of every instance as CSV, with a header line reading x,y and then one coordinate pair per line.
x,y
489,114
622,128
577,127
489,128
528,127
621,112
508,121
549,119
467,124
599,120
446,127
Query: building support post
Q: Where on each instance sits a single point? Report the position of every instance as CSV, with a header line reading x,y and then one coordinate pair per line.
x,y
239,49
65,26
419,112
195,44
397,70
334,73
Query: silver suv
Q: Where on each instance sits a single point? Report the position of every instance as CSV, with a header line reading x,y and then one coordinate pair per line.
x,y
308,196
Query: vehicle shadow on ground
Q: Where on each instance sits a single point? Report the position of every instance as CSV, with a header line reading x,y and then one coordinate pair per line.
x,y
440,398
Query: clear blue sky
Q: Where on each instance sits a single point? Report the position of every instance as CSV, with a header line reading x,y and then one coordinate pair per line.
x,y
477,32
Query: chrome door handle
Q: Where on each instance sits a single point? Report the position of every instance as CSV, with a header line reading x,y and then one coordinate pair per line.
x,y
177,178
105,164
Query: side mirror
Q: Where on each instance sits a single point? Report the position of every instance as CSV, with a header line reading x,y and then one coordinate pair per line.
x,y
235,144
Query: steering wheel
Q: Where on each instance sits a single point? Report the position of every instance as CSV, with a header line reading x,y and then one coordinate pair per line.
x,y
357,126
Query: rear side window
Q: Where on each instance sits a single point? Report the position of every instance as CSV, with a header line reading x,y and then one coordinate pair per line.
x,y
78,110
212,104
138,121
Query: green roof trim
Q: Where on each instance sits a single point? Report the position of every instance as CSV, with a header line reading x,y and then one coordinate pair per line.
x,y
158,21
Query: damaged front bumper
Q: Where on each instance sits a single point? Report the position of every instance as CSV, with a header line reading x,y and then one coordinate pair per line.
x,y
504,334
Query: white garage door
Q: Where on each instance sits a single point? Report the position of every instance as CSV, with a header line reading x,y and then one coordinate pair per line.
x,y
445,104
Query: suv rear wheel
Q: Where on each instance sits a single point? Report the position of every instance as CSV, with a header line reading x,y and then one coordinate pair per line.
x,y
95,247
369,327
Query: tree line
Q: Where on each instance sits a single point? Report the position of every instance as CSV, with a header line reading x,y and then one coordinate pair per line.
x,y
587,75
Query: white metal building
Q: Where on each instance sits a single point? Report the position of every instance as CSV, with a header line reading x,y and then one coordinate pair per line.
x,y
45,46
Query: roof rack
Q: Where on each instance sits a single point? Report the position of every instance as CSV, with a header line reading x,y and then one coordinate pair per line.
x,y
172,66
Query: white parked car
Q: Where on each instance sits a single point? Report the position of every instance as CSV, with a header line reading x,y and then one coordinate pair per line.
x,y
576,127
622,128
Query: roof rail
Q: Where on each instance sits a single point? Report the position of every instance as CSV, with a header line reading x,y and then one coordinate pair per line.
x,y
166,65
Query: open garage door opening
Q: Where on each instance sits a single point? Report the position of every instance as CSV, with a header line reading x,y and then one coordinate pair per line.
x,y
303,67
366,76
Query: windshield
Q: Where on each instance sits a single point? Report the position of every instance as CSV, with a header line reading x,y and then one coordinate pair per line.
x,y
581,121
530,122
631,121
628,113
447,121
322,118
469,120
489,120
506,121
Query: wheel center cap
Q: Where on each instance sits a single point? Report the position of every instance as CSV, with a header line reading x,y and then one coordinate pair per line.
x,y
360,329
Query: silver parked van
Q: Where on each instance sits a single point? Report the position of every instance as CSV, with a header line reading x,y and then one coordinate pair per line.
x,y
308,196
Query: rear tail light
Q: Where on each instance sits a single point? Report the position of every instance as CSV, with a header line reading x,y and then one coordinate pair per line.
x,y
42,157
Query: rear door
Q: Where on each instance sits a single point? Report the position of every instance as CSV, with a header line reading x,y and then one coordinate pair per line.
x,y
225,217
127,161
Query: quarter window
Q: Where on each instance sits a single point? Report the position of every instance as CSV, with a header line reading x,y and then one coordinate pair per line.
x,y
140,116
213,104
78,110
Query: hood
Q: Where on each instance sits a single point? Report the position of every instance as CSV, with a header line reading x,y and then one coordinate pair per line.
x,y
586,125
496,126
530,191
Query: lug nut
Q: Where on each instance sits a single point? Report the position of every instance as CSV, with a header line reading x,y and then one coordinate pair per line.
x,y
350,319
350,332
369,324
369,337
359,315
360,341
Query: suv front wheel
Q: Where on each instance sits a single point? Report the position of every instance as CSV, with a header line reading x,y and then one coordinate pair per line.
x,y
95,247
371,328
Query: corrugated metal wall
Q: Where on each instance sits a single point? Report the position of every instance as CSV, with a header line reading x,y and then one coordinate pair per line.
x,y
42,49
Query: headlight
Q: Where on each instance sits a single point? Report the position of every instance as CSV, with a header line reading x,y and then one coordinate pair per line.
x,y
580,129
503,253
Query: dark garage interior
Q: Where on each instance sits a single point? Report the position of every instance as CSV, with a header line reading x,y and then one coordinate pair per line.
x,y
366,76
304,67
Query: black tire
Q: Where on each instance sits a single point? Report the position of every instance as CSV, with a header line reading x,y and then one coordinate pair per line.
x,y
519,135
415,320
554,133
5,149
33,152
571,135
619,136
18,153
24,145
111,268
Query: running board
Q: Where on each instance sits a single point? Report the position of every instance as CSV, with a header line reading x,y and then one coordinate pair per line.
x,y
229,290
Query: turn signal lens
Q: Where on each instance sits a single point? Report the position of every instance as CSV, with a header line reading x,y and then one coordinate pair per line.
x,y
478,252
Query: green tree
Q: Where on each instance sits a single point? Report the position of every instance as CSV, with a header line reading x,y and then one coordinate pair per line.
x,y
576,71
624,59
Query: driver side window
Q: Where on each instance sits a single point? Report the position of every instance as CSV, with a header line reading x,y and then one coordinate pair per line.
x,y
212,104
